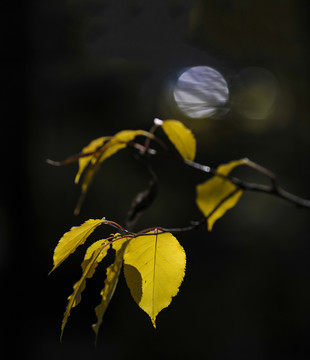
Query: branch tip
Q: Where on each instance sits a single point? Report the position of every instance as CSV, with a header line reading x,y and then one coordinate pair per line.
x,y
52,162
158,122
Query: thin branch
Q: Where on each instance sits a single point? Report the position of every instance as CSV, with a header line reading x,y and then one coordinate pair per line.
x,y
69,160
142,201
195,224
274,189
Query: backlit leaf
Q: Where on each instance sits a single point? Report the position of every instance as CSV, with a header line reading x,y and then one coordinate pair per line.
x,y
102,244
94,254
84,161
88,176
75,237
181,137
105,149
113,272
120,141
217,195
154,270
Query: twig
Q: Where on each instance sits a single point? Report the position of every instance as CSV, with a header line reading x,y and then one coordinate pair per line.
x,y
195,224
274,189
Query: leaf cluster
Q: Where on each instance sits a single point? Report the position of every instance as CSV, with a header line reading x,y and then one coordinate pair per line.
x,y
152,259
154,266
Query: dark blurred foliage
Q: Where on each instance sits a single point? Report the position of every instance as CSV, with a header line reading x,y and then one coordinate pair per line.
x,y
79,69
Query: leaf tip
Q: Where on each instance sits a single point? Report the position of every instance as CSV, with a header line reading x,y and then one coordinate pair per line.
x,y
61,336
77,209
52,162
153,322
95,328
51,270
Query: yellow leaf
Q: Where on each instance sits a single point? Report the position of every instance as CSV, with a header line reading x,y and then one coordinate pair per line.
x,y
125,136
181,137
72,239
84,161
113,272
217,195
120,141
102,244
89,174
92,163
225,169
154,270
94,254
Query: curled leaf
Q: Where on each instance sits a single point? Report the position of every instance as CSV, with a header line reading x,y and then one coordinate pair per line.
x,y
181,137
75,237
88,177
217,195
94,254
120,141
103,148
113,272
154,266
85,160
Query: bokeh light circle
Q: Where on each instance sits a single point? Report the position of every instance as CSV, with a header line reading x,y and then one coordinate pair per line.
x,y
201,92
256,93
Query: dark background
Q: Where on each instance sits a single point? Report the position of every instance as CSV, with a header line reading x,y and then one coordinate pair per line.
x,y
76,70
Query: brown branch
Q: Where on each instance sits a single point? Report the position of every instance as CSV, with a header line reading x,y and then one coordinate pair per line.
x,y
144,199
195,224
274,189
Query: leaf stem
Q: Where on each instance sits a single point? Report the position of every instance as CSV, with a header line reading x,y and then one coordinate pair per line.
x,y
117,226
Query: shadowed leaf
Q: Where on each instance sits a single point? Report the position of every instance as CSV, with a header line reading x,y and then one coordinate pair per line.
x,y
90,148
113,272
94,254
160,260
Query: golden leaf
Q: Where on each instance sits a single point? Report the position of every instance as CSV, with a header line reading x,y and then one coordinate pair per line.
x,y
154,266
181,137
94,254
113,272
90,148
107,148
75,237
120,141
217,195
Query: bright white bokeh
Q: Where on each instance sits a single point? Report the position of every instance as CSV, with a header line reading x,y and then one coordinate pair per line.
x,y
201,92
